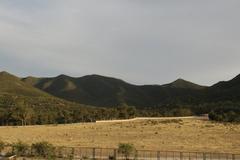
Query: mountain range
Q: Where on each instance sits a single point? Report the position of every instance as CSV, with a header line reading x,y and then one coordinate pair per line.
x,y
97,90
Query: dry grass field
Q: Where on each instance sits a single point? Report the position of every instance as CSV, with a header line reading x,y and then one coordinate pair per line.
x,y
176,135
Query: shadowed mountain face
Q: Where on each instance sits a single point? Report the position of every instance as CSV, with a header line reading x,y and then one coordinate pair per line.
x,y
95,90
105,91
225,91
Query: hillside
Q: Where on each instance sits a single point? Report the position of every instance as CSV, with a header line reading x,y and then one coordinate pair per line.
x,y
10,84
20,101
92,90
233,83
181,83
225,91
98,90
65,99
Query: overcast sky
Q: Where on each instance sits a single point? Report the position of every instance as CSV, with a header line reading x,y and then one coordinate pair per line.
x,y
140,41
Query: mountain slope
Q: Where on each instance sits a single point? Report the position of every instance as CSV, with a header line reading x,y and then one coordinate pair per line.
x,y
105,91
233,83
19,99
181,83
10,84
225,90
92,90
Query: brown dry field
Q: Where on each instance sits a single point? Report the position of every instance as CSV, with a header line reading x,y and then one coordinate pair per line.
x,y
173,135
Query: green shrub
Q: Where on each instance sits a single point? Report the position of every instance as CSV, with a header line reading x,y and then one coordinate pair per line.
x,y
126,149
20,148
43,149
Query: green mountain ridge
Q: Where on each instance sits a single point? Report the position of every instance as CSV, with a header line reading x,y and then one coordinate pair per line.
x,y
91,89
225,90
10,84
181,83
104,91
22,103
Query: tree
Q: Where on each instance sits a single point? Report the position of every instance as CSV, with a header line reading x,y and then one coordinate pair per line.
x,y
2,116
23,112
131,111
8,115
64,116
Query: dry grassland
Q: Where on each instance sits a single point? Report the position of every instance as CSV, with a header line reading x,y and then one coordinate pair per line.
x,y
176,135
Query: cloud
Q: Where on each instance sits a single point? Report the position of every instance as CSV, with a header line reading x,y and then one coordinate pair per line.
x,y
140,41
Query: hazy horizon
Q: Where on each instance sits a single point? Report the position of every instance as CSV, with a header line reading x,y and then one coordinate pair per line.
x,y
139,41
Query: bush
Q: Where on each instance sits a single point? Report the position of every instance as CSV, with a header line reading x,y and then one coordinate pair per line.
x,y
126,149
2,144
43,149
20,148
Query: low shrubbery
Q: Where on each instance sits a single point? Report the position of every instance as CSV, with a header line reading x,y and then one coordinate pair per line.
x,y
2,144
43,149
225,114
39,149
20,148
126,149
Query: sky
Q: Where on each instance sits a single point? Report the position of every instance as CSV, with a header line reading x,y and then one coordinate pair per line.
x,y
139,41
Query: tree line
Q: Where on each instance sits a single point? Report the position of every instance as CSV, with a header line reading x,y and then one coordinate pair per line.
x,y
37,111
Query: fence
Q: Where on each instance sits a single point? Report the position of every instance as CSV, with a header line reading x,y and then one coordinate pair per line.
x,y
112,154
80,153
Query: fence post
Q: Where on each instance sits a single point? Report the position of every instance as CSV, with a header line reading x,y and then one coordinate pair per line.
x,y
72,153
181,156
12,149
158,155
94,153
233,156
136,155
204,156
115,154
31,151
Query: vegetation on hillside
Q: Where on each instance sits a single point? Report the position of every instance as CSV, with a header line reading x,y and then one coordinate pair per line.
x,y
21,103
226,114
23,110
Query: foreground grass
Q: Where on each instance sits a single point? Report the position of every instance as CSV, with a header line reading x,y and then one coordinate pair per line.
x,y
179,135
